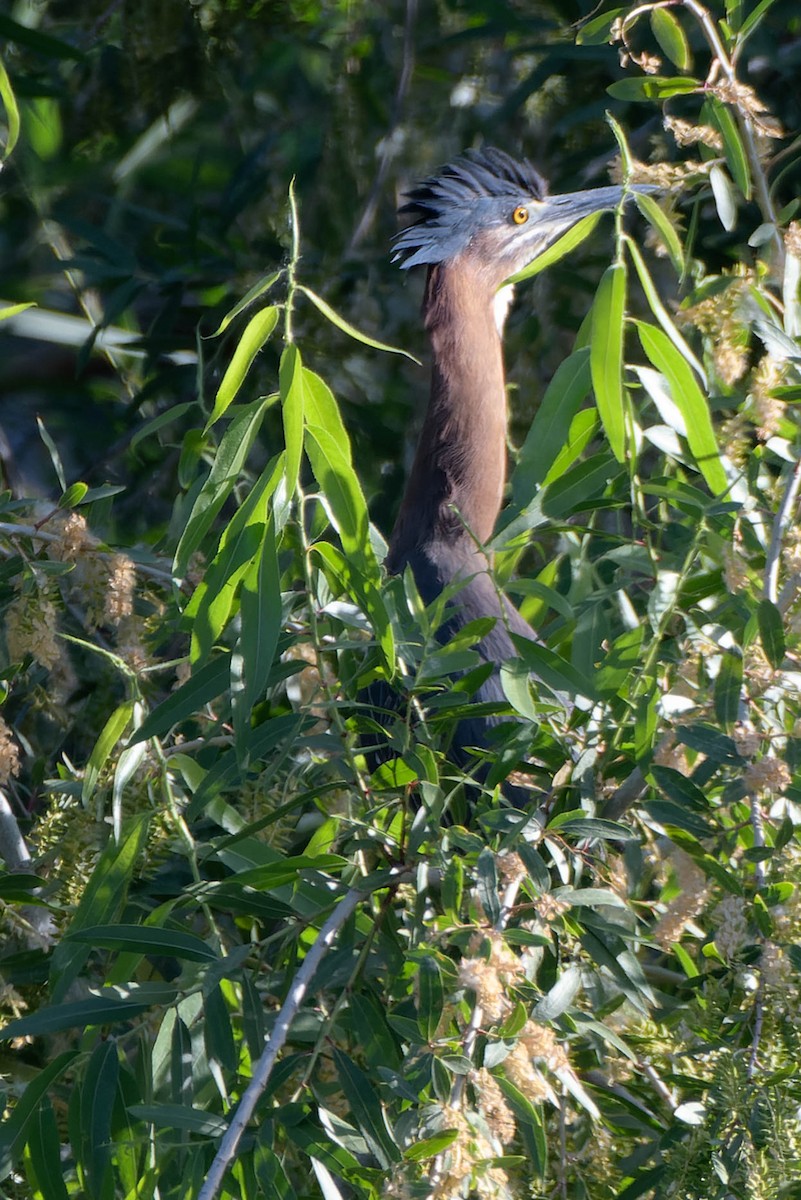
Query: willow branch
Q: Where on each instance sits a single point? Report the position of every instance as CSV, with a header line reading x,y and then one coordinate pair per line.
x,y
781,524
264,1067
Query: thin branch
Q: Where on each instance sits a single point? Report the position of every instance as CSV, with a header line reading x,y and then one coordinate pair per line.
x,y
407,68
41,535
17,858
264,1067
781,524
744,120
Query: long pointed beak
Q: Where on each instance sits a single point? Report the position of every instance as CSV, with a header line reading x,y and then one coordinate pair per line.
x,y
572,206
555,215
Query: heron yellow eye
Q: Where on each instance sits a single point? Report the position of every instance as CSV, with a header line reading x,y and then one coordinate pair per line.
x,y
520,215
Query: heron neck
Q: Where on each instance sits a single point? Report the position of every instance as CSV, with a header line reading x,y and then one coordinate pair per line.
x,y
456,482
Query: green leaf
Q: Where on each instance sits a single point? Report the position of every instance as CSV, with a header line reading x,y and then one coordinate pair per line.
x,y
549,667
606,356
14,1129
651,87
367,595
12,111
661,223
74,494
728,689
228,769
709,741
430,997
292,389
549,429
430,1147
52,450
232,453
254,335
261,620
689,398
367,1109
670,36
113,730
44,1148
597,31
558,249
679,788
13,310
205,685
145,939
263,285
660,312
721,116
771,632
330,315
19,887
41,43
594,827
101,901
106,1007
179,1116
578,489
98,1090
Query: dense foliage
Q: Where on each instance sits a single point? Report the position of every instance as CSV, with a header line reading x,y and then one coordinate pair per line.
x,y
234,961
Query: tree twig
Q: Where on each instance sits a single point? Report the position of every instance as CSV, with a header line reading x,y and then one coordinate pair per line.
x,y
781,524
264,1067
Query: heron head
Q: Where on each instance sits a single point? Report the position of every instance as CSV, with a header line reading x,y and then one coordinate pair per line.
x,y
493,208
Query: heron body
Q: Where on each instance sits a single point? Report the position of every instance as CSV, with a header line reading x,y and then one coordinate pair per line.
x,y
475,223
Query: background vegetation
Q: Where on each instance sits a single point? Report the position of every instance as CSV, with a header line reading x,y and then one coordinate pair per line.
x,y
598,997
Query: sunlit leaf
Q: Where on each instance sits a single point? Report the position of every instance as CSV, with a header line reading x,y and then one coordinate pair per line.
x,y
340,322
690,400
606,356
725,199
258,289
254,335
112,732
558,249
652,87
671,37
12,114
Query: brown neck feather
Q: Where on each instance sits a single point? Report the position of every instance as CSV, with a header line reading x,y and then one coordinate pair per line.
x,y
460,461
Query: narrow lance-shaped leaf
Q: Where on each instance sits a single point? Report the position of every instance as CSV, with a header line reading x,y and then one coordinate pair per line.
x,y
771,632
606,356
331,315
44,1148
13,1130
558,249
231,456
691,401
112,732
660,312
550,427
263,285
651,87
12,111
728,686
260,614
100,903
656,217
720,115
254,335
98,1089
292,390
